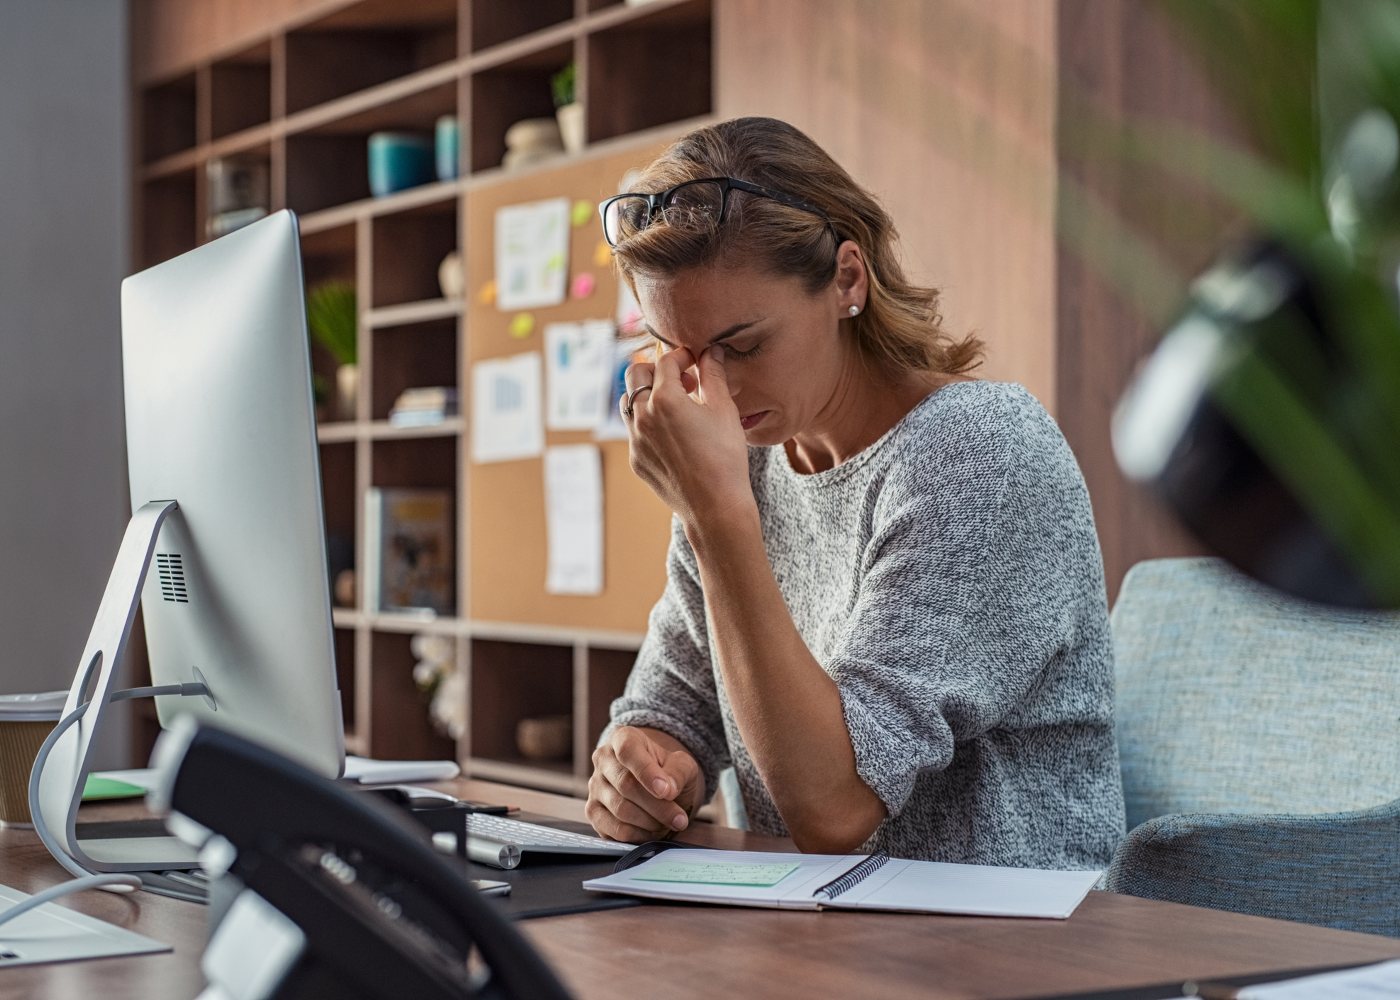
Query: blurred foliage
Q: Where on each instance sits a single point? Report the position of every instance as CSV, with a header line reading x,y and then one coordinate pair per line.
x,y
333,319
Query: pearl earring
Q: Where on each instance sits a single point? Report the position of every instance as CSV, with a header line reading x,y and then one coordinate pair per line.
x,y
853,311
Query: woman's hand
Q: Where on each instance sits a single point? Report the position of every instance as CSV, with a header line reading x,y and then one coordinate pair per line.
x,y
687,442
642,788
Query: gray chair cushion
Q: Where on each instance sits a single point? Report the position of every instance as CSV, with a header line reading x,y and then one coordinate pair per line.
x,y
1336,870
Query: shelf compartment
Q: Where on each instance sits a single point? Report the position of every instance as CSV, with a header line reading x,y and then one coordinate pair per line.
x,y
345,675
168,118
365,45
399,727
513,681
401,201
338,504
504,94
527,774
671,42
410,357
608,670
407,249
494,23
169,226
328,157
416,461
240,91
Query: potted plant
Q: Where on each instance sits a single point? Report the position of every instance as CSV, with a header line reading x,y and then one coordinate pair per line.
x,y
567,108
333,319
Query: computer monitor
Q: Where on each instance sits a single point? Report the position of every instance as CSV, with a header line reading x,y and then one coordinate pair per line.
x,y
227,518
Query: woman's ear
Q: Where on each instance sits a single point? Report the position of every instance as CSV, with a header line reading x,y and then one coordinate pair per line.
x,y
852,278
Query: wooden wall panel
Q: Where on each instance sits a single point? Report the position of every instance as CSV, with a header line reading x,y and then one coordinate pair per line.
x,y
1124,55
945,110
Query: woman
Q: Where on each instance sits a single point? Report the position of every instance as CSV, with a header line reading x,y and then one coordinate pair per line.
x,y
885,602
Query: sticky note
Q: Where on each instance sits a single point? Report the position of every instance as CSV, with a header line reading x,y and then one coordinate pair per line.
x,y
582,212
486,294
717,873
602,254
522,325
583,285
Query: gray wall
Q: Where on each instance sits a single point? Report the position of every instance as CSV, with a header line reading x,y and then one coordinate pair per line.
x,y
64,241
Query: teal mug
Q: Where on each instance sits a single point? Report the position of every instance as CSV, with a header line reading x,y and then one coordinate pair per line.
x,y
399,160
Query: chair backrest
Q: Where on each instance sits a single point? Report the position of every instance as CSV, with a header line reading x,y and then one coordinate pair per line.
x,y
1233,698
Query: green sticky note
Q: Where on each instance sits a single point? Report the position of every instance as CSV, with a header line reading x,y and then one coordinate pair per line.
x,y
109,788
717,873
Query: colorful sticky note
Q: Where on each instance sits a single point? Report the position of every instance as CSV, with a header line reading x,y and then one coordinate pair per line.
x,y
522,325
582,213
583,285
602,254
486,294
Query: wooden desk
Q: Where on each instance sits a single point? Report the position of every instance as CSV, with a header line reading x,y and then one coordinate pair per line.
x,y
694,951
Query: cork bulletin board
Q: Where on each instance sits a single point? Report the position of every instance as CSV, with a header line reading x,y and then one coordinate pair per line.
x,y
505,513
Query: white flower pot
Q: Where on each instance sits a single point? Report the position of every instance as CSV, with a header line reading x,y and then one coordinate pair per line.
x,y
570,118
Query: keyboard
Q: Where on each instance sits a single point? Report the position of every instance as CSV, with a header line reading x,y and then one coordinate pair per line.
x,y
502,842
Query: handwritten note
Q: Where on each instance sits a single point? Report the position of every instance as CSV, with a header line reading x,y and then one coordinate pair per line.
x,y
711,873
573,489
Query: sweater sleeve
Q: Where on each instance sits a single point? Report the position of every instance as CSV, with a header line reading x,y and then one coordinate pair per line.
x,y
979,558
672,684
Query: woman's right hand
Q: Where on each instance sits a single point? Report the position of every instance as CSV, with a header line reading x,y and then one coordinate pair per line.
x,y
645,785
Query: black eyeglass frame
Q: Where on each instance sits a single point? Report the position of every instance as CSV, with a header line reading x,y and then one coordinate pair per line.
x,y
658,202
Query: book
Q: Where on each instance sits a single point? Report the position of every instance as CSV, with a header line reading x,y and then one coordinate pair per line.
x,y
850,882
410,562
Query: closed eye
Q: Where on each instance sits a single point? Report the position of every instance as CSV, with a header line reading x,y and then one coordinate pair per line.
x,y
738,355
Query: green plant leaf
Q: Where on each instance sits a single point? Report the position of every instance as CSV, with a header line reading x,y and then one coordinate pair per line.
x,y
333,319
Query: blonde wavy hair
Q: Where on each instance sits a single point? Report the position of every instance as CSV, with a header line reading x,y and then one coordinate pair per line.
x,y
899,332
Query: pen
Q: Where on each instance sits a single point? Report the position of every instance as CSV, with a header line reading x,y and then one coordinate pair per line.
x,y
486,808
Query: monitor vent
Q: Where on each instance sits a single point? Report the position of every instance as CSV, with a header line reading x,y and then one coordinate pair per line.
x,y
171,568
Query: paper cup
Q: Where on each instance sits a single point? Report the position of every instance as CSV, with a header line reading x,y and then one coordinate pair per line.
x,y
25,722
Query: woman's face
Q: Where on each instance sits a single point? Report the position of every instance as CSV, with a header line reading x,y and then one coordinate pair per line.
x,y
786,359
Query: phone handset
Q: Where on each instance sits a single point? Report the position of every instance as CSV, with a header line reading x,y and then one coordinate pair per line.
x,y
342,896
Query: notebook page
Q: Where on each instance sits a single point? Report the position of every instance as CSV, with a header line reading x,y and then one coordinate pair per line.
x,y
794,890
1372,982
981,890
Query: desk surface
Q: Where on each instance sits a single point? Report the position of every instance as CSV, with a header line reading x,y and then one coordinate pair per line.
x,y
694,951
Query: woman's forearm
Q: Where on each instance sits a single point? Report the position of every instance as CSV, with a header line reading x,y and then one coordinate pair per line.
x,y
788,710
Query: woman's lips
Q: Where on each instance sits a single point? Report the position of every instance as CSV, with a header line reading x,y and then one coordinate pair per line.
x,y
753,419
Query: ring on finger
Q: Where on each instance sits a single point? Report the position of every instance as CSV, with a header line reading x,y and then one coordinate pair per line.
x,y
632,395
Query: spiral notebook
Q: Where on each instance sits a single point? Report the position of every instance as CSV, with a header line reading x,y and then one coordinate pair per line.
x,y
851,882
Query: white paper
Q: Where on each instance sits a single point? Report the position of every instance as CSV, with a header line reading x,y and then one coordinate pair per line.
x,y
1371,982
366,771
55,933
578,367
532,254
573,489
506,421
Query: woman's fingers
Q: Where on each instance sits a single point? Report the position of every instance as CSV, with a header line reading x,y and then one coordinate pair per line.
x,y
670,366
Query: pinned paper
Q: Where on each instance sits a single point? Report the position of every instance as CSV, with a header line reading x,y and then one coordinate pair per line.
x,y
573,489
602,254
506,420
615,387
486,294
522,325
583,285
582,213
532,254
629,313
578,360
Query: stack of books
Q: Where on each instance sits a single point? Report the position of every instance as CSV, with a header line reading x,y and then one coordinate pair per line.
x,y
424,406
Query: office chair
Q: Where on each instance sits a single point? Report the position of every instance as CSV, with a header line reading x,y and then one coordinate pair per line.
x,y
1260,745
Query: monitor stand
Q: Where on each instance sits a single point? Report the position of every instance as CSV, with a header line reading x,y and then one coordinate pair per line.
x,y
64,774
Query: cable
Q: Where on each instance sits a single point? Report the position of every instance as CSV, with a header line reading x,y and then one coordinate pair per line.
x,y
112,883
83,879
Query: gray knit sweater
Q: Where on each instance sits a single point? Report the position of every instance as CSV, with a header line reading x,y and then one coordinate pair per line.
x,y
948,578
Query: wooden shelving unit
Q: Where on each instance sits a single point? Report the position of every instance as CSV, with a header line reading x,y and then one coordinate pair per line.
x,y
304,98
